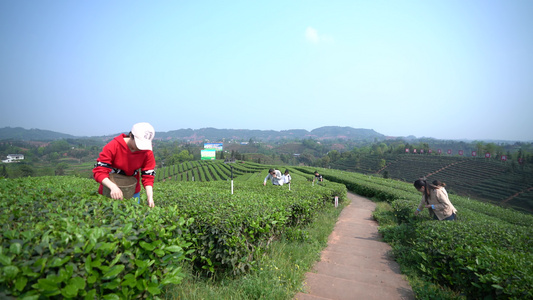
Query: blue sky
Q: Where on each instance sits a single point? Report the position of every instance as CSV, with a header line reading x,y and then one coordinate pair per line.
x,y
442,69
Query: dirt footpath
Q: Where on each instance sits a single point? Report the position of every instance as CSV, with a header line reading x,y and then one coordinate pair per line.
x,y
356,263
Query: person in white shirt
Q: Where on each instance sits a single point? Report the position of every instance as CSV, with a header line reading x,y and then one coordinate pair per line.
x,y
318,177
286,177
275,177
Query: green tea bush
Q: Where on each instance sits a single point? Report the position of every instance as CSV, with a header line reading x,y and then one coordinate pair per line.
x,y
60,239
478,258
232,230
403,211
361,184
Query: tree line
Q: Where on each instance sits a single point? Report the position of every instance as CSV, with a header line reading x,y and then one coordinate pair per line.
x,y
57,157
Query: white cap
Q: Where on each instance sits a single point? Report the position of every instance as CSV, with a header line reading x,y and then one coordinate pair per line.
x,y
143,134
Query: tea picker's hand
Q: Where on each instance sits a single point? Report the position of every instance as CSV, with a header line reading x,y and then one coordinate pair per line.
x,y
116,193
150,195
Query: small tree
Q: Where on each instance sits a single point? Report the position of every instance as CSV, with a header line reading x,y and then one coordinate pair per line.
x,y
60,169
334,155
382,163
79,153
26,170
325,161
53,157
3,172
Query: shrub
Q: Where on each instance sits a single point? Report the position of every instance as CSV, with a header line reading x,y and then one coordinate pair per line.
x,y
403,211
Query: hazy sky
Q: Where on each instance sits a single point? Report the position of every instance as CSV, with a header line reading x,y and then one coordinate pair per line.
x,y
443,69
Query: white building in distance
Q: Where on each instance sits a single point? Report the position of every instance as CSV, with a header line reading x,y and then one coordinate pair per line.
x,y
13,158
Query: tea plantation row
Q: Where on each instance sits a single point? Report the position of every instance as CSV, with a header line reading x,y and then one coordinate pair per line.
x,y
208,170
59,238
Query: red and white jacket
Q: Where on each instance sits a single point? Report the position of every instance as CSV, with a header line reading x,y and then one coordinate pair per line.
x,y
116,157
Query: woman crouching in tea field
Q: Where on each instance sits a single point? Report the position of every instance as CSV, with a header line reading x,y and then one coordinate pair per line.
x,y
435,199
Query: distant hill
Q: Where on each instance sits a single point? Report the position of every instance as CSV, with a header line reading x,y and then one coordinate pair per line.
x,y
213,134
21,134
347,133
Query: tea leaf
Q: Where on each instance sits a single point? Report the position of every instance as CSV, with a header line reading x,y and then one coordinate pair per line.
x,y
58,262
69,291
20,283
78,282
113,272
129,280
111,297
4,260
47,285
154,290
147,246
91,295
10,271
174,248
15,248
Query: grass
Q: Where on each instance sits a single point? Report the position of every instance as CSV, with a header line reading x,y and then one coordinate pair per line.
x,y
279,274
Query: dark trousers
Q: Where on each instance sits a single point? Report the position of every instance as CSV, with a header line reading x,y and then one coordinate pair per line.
x,y
450,218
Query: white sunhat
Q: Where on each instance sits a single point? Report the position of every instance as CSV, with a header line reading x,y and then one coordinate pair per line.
x,y
143,134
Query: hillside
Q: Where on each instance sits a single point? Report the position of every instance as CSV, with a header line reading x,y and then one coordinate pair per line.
x,y
21,134
215,135
322,133
346,133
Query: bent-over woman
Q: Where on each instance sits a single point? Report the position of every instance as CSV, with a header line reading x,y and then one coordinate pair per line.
x,y
435,199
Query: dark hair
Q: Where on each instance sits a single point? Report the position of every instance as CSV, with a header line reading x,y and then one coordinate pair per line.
x,y
422,182
286,171
270,170
419,183
438,183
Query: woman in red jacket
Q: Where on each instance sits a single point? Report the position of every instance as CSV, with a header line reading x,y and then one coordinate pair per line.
x,y
125,155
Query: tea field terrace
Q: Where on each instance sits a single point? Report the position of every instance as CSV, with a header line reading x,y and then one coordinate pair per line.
x,y
503,183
